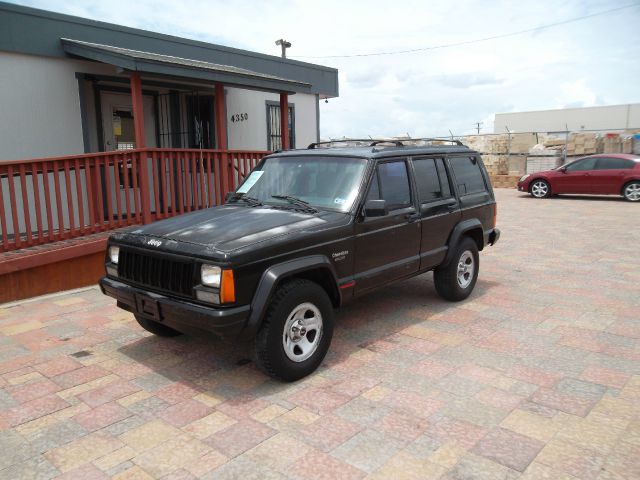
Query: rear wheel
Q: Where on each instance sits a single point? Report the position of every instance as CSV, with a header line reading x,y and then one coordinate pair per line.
x,y
631,191
456,280
156,328
540,189
296,331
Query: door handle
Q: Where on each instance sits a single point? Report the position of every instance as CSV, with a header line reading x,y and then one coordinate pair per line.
x,y
412,217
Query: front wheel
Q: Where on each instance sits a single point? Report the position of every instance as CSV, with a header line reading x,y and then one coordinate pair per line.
x,y
296,331
540,189
455,281
631,191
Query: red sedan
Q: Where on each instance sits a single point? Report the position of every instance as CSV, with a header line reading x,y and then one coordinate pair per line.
x,y
603,174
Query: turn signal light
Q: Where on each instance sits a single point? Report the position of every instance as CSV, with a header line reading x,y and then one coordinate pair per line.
x,y
227,287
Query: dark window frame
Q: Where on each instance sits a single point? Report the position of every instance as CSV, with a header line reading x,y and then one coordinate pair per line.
x,y
269,105
441,169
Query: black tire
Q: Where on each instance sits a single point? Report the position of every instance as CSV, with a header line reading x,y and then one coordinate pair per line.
x,y
270,352
540,188
446,276
630,191
156,328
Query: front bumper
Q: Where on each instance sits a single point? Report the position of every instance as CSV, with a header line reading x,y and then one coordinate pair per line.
x,y
180,315
523,186
494,236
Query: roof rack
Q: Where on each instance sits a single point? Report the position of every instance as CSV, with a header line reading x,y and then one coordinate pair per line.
x,y
372,142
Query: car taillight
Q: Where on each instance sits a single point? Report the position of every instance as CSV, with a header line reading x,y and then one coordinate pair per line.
x,y
495,215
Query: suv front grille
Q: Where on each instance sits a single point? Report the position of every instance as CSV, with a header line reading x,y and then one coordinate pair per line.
x,y
159,273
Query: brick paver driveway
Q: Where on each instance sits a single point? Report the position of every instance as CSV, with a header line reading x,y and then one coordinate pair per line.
x,y
537,375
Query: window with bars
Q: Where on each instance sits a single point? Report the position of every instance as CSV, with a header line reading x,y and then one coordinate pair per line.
x,y
274,138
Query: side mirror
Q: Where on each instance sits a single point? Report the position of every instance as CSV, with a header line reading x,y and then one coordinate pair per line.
x,y
375,208
563,169
228,196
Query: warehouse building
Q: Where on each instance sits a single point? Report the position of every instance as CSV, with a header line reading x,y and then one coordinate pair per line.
x,y
608,118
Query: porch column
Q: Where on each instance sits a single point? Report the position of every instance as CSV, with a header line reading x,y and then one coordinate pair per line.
x,y
138,111
221,138
284,120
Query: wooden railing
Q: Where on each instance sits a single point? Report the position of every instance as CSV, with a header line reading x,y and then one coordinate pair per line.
x,y
51,199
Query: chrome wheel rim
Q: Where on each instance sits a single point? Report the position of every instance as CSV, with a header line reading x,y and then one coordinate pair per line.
x,y
539,189
632,192
302,332
466,269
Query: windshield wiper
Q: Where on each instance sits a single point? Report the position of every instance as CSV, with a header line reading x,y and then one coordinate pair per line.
x,y
254,202
296,201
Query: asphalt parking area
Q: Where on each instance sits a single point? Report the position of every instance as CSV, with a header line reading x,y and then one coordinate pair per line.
x,y
536,375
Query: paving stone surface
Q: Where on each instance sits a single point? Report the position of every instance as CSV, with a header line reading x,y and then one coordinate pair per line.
x,y
536,375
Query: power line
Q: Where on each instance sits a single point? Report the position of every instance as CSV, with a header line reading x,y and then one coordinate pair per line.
x,y
478,40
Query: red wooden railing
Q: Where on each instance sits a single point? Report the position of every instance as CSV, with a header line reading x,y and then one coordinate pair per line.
x,y
51,199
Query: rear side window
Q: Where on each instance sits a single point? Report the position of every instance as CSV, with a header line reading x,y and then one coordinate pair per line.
x,y
431,179
614,164
391,183
468,175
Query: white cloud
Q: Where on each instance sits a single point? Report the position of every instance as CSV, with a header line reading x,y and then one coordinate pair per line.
x,y
589,62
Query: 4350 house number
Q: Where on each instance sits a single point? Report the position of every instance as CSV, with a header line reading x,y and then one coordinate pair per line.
x,y
239,117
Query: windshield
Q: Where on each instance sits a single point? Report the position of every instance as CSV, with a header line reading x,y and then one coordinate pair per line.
x,y
323,182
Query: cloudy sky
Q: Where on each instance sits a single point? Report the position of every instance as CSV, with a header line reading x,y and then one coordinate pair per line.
x,y
593,61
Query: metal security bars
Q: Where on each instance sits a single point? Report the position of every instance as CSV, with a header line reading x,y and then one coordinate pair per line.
x,y
274,138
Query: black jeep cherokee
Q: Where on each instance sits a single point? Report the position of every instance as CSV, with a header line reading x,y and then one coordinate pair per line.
x,y
307,231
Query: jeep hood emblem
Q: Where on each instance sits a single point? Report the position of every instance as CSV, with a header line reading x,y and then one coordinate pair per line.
x,y
154,243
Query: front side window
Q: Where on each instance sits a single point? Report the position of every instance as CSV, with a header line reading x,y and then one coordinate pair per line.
x,y
614,164
324,182
468,175
391,183
582,165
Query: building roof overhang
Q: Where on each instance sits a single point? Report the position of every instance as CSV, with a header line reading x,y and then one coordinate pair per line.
x,y
156,64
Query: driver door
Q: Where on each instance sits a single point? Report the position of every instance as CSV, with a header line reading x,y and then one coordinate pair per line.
x,y
577,178
388,246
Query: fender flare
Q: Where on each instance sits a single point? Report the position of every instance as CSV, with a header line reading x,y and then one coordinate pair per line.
x,y
458,232
273,276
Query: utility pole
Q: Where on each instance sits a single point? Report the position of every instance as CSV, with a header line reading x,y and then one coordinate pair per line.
x,y
478,125
283,45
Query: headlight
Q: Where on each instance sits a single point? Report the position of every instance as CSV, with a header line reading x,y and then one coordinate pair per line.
x,y
524,177
210,275
114,252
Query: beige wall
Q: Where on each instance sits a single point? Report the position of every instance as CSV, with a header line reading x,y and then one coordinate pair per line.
x,y
590,118
252,133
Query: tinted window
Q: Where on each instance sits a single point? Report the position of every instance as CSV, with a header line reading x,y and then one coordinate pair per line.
x,y
614,164
427,179
582,165
393,185
468,175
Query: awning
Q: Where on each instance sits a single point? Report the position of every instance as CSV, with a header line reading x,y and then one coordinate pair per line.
x,y
177,67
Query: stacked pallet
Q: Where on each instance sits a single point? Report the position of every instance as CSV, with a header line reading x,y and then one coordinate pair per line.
x,y
544,157
583,144
504,181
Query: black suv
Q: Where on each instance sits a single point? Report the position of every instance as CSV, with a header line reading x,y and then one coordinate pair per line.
x,y
307,231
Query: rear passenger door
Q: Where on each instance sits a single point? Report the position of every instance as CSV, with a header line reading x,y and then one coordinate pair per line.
x,y
609,174
387,247
439,209
473,188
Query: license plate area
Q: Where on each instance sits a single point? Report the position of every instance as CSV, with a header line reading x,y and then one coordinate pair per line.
x,y
148,307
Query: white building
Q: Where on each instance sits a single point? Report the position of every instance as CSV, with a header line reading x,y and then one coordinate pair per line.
x,y
606,119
